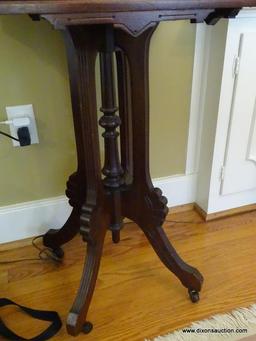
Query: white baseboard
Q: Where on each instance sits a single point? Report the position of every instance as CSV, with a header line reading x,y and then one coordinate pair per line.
x,y
33,218
178,189
29,219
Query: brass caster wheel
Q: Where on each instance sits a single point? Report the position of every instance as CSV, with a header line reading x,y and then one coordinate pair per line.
x,y
59,253
194,296
87,328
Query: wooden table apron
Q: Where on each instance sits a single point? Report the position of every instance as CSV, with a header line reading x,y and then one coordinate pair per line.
x,y
122,30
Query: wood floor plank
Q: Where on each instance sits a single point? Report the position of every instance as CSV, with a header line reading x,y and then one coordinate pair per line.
x,y
136,297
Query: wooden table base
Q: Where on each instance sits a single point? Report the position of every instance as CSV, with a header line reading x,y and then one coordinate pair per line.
x,y
126,189
120,28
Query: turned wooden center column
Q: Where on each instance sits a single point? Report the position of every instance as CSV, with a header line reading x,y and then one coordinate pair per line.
x,y
110,121
112,169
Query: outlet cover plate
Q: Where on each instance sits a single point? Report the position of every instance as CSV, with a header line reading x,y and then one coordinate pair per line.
x,y
23,111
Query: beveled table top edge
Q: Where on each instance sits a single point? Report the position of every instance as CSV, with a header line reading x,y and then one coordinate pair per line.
x,y
91,6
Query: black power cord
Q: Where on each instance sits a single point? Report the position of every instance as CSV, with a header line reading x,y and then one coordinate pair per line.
x,y
23,136
185,222
45,254
10,136
174,222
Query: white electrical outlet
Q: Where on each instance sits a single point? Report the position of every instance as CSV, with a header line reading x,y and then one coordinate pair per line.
x,y
23,111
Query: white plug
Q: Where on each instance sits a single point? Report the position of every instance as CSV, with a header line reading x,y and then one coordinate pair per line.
x,y
18,122
16,116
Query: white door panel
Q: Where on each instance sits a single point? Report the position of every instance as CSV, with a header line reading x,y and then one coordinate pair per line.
x,y
240,157
251,154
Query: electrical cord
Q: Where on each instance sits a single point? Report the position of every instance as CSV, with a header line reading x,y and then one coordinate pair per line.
x,y
7,135
185,222
46,254
175,222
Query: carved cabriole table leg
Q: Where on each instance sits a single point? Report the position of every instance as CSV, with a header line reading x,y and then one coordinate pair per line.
x,y
83,43
142,203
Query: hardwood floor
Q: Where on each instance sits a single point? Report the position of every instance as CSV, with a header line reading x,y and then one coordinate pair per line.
x,y
136,296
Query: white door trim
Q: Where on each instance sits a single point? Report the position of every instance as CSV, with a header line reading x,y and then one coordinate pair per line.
x,y
213,201
247,13
199,81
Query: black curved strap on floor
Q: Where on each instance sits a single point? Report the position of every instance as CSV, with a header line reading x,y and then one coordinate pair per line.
x,y
43,315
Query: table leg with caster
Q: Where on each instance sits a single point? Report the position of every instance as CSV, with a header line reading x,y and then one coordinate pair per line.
x,y
54,239
83,44
143,203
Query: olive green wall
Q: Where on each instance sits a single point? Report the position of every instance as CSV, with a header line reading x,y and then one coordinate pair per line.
x,y
171,69
33,70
